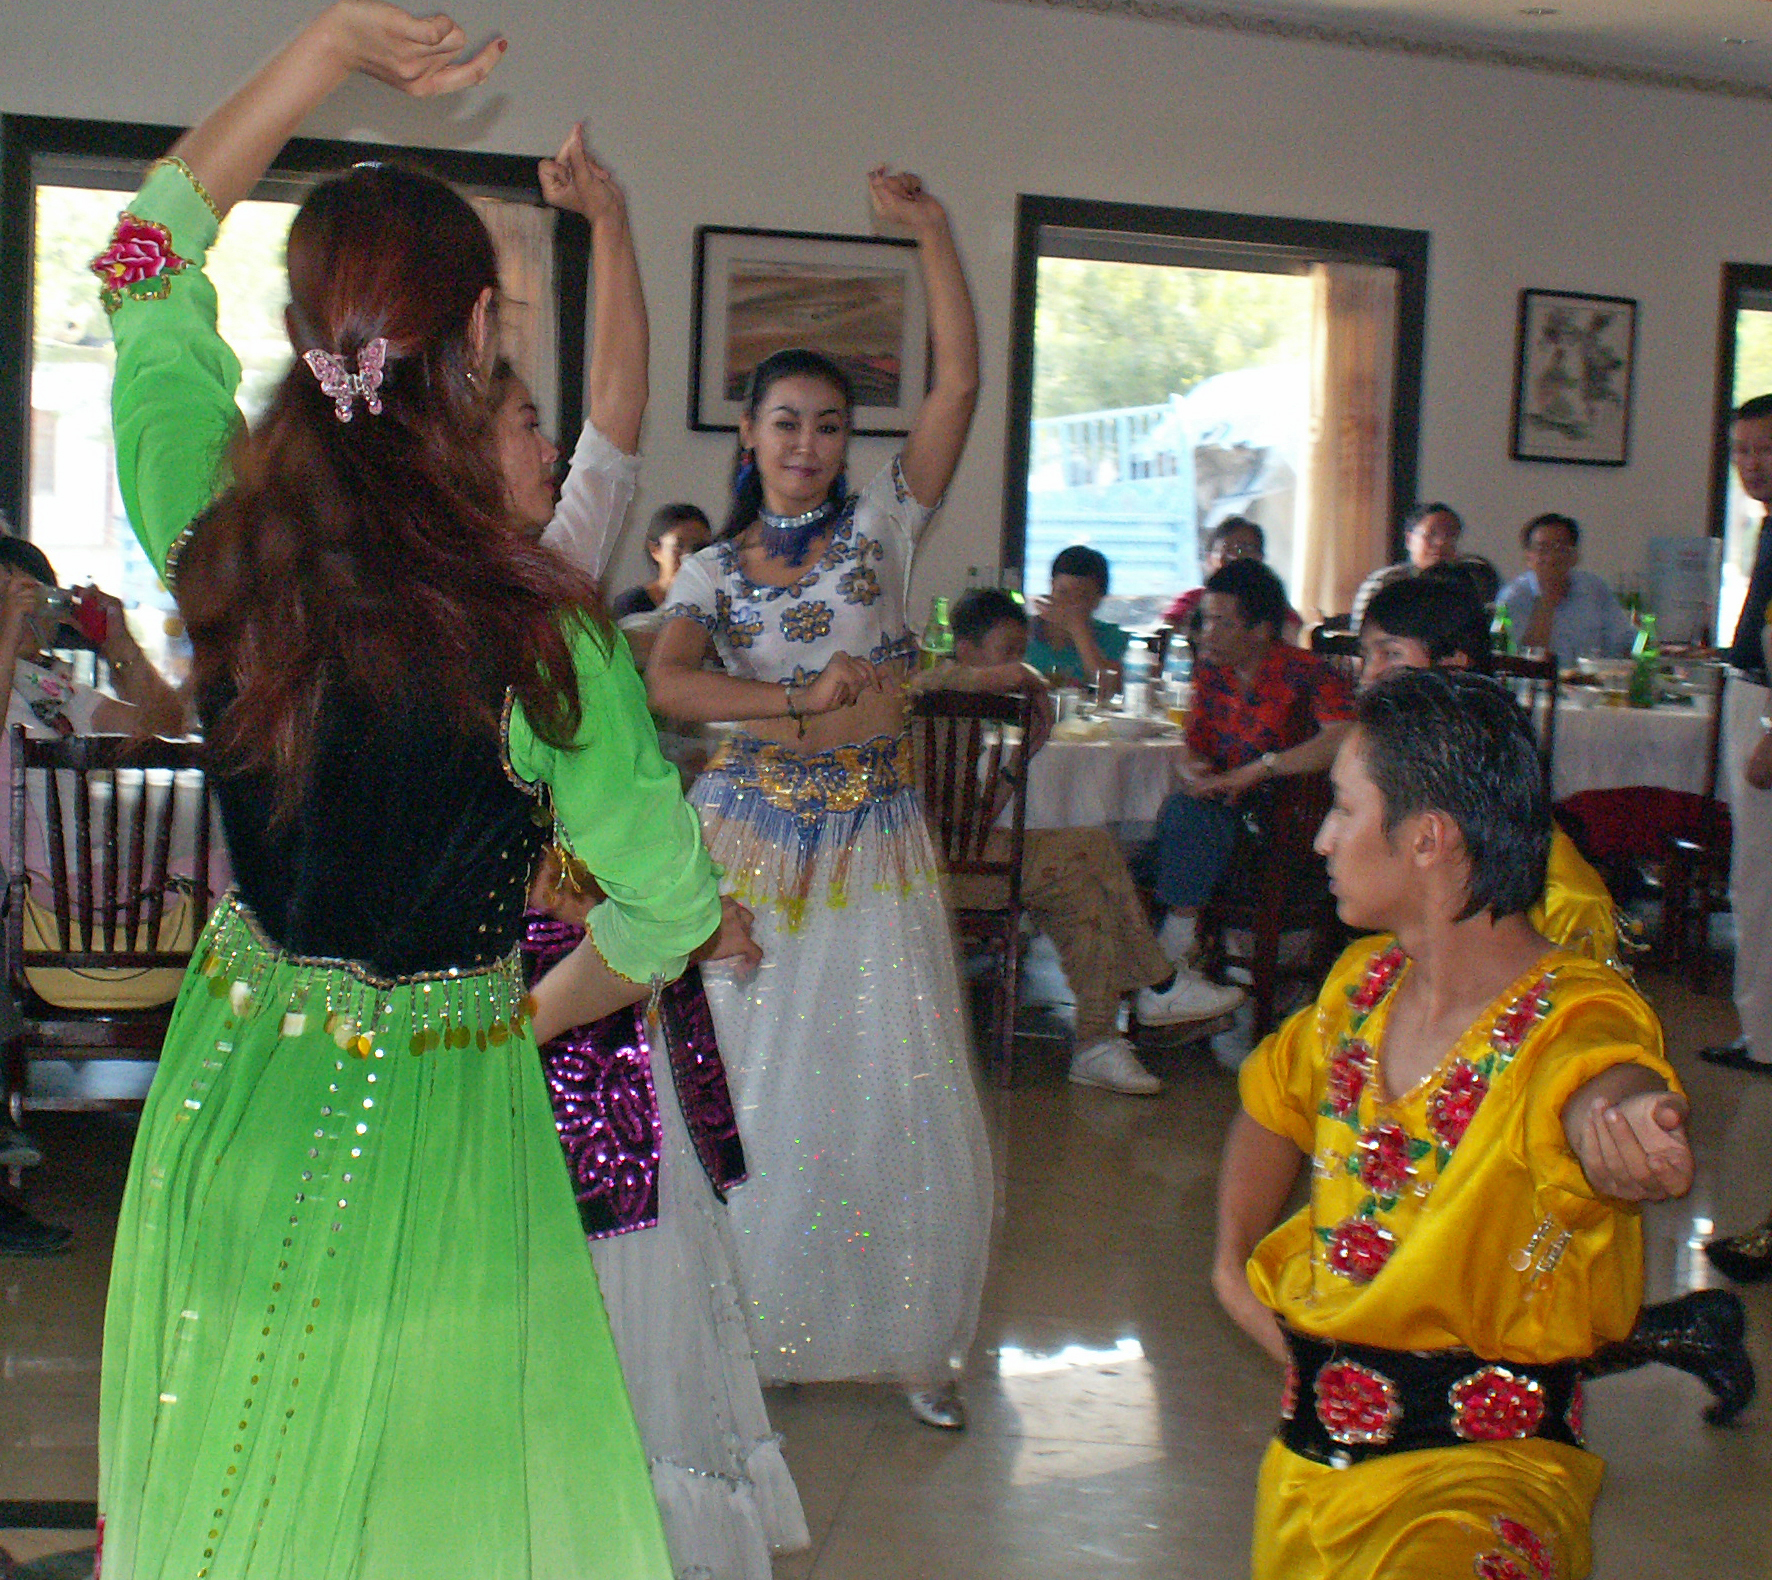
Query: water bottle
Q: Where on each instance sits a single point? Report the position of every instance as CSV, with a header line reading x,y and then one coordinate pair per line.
x,y
1135,675
1645,663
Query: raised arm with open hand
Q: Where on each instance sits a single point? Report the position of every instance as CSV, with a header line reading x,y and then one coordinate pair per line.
x,y
938,434
233,146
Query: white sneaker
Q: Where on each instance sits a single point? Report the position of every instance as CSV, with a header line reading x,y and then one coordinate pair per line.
x,y
1188,997
1176,938
1112,1065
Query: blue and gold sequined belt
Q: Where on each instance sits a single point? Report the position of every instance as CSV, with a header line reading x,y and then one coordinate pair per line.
x,y
457,1007
1347,1402
843,779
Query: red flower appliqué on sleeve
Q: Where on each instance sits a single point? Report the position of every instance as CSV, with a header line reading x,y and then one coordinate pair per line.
x,y
1357,1404
1348,1074
140,251
1358,1249
1493,1404
1535,1549
1450,1110
1496,1565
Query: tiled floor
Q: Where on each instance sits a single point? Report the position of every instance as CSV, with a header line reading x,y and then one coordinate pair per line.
x,y
1116,1417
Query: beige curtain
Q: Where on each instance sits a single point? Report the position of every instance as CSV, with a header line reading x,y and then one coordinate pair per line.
x,y
1344,506
523,233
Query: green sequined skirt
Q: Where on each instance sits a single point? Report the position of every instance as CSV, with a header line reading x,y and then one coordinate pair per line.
x,y
353,1330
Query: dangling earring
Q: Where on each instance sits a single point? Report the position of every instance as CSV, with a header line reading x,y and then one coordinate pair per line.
x,y
747,469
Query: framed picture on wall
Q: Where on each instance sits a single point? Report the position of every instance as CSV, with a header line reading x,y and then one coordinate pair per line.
x,y
1574,359
856,299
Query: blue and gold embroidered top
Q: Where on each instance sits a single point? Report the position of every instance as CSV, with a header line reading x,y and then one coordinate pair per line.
x,y
852,599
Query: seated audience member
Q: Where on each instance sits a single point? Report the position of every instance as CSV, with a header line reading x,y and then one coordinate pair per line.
x,y
1074,881
674,533
1431,535
1262,711
1435,622
1068,641
1234,538
1559,608
1482,1113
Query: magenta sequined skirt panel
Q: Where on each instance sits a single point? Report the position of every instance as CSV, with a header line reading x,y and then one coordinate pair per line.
x,y
600,1084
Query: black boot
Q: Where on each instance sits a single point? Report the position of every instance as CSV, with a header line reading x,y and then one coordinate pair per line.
x,y
1699,1333
1745,1258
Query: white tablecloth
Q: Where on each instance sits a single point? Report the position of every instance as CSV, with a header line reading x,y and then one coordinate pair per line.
x,y
1601,748
1088,784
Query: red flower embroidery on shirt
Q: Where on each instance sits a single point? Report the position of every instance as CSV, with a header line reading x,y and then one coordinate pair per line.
x,y
1522,1539
1495,1565
1518,1019
1386,1160
140,250
1359,1248
1493,1404
1381,972
1450,1110
1289,1392
1357,1404
1348,1073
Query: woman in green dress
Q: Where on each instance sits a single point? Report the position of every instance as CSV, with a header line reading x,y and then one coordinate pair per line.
x,y
353,1330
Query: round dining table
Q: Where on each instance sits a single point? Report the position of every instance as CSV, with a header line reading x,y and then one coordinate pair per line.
x,y
1611,748
1102,782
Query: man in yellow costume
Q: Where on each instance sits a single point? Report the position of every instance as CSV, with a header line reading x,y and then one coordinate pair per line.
x,y
1434,621
1481,1111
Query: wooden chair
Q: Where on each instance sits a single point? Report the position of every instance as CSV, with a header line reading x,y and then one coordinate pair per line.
x,y
112,892
1275,884
1339,648
973,779
1535,683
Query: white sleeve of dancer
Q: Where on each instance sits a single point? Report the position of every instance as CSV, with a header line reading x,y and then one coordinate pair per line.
x,y
594,502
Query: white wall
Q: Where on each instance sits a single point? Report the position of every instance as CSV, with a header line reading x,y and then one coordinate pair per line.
x,y
746,112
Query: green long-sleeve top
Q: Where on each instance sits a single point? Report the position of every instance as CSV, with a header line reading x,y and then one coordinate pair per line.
x,y
413,835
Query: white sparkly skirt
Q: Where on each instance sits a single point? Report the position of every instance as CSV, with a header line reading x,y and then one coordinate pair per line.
x,y
725,1495
864,1228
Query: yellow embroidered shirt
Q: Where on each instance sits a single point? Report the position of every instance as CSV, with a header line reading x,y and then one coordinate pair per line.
x,y
1453,1216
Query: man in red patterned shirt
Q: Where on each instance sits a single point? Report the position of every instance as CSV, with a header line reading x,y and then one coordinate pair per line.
x,y
1262,711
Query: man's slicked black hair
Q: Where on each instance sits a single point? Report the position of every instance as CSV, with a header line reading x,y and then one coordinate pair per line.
x,y
1438,740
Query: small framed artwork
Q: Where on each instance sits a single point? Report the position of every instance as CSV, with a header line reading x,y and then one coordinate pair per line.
x,y
856,299
1574,360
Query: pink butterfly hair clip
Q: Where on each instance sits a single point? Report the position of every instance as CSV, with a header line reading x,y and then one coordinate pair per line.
x,y
342,386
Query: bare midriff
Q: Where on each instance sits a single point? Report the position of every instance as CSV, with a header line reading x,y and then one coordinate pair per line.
x,y
873,714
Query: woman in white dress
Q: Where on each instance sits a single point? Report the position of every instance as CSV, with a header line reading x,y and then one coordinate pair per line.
x,y
863,1230
659,1236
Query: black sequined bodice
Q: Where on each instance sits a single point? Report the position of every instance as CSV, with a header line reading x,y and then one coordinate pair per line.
x,y
410,851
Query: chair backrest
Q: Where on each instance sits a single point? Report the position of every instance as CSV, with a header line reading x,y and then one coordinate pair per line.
x,y
1534,682
1339,648
126,801
973,775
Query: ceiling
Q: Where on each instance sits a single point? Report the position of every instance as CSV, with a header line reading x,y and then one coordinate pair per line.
x,y
1723,42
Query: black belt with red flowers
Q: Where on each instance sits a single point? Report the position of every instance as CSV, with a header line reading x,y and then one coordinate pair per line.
x,y
1347,1402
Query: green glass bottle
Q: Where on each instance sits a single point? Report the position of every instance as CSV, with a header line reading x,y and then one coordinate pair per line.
x,y
1501,631
938,634
1645,662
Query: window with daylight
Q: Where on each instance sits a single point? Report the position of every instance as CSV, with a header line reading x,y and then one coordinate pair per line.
x,y
1174,368
1744,371
64,183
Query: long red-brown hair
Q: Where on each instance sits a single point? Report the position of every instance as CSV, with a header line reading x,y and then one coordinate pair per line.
x,y
376,558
